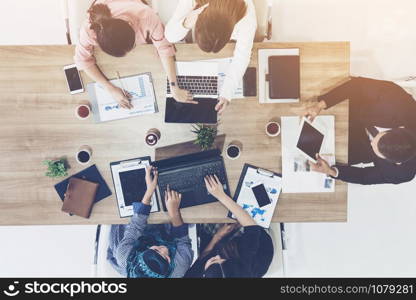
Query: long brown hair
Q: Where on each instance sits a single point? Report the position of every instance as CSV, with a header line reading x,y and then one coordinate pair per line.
x,y
215,24
115,36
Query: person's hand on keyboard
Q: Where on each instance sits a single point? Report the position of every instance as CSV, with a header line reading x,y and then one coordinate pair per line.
x,y
173,201
221,105
214,186
183,96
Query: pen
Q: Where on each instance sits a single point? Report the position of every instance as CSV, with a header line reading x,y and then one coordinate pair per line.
x,y
121,84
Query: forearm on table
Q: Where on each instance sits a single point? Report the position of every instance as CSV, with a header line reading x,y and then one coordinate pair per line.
x,y
147,198
95,74
242,216
176,219
169,65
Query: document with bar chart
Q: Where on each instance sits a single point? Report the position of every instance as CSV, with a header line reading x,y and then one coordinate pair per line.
x,y
142,96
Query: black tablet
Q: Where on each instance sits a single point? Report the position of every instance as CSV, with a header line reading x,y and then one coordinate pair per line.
x,y
310,140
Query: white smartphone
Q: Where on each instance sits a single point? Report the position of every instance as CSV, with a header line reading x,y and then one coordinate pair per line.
x,y
73,79
310,140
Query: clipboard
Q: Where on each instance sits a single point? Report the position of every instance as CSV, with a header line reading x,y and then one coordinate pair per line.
x,y
110,111
125,174
273,184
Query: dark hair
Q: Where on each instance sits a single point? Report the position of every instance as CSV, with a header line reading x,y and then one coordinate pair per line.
x,y
398,145
115,36
215,24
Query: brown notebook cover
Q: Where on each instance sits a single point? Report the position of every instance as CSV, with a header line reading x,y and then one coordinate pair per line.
x,y
79,197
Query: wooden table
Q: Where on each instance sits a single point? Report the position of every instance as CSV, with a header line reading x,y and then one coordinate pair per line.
x,y
37,122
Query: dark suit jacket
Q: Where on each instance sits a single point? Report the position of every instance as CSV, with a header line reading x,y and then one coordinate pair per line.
x,y
373,103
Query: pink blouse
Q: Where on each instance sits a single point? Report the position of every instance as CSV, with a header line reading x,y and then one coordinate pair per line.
x,y
141,17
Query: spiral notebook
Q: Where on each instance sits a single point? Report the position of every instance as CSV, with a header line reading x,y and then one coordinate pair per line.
x,y
250,178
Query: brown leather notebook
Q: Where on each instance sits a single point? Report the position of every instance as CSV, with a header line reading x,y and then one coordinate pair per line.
x,y
79,197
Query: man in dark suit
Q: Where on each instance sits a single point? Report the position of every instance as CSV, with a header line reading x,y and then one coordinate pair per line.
x,y
382,131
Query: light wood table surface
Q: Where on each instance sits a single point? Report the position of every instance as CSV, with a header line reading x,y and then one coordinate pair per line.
x,y
37,122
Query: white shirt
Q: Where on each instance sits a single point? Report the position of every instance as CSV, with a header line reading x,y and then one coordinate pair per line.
x,y
243,33
379,129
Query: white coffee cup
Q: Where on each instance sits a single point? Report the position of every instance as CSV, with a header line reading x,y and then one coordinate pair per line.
x,y
272,129
233,151
83,111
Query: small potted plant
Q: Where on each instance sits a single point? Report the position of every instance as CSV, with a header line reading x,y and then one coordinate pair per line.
x,y
205,135
56,168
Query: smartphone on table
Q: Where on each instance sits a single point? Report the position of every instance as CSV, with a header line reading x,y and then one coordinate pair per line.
x,y
73,79
261,195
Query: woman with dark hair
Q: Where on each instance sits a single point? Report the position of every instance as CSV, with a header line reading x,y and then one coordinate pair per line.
x,y
215,23
117,26
229,255
139,250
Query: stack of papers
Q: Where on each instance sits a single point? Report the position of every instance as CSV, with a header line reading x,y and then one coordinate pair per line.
x,y
296,173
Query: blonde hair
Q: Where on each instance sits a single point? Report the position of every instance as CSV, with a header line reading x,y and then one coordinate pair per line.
x,y
215,24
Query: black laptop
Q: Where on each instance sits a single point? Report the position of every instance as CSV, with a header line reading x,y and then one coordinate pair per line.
x,y
185,174
201,80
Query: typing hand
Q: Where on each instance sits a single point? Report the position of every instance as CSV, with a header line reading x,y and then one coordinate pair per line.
x,y
173,201
313,110
119,96
322,166
183,96
221,105
192,17
214,186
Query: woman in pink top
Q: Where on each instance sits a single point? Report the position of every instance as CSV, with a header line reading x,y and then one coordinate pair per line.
x,y
116,26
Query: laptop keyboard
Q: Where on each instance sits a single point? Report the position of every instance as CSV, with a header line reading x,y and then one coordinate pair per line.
x,y
191,179
197,85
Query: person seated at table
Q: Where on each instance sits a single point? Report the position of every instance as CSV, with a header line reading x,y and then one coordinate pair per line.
x,y
117,26
151,251
215,23
382,131
247,255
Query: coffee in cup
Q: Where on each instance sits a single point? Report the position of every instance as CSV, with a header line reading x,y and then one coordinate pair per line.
x,y
272,129
233,150
152,137
83,111
84,155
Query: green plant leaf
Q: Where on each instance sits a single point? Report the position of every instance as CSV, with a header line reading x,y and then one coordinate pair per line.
x,y
56,168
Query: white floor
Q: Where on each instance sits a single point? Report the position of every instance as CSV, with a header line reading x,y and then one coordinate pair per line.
x,y
378,239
